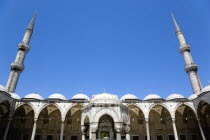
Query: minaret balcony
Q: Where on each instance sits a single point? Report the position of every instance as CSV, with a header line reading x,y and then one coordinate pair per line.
x,y
17,67
23,47
191,67
184,48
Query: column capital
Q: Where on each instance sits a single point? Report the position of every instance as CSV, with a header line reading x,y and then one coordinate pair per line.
x,y
63,119
35,120
147,119
173,120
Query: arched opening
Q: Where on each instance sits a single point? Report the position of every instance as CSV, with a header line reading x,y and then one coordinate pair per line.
x,y
48,123
22,123
186,123
86,127
204,115
137,123
106,127
72,129
160,123
4,114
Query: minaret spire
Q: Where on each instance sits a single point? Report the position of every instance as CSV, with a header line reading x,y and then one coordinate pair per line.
x,y
17,66
190,66
176,26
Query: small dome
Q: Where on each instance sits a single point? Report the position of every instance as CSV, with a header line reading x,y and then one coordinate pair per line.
x,y
2,88
152,97
174,96
80,96
206,89
129,97
57,96
105,98
15,96
33,96
193,96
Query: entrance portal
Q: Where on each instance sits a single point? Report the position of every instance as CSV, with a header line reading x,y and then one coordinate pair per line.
x,y
106,128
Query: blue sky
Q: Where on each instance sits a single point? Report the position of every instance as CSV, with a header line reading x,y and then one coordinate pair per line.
x,y
118,45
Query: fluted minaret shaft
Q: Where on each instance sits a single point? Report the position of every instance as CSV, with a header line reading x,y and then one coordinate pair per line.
x,y
17,66
190,66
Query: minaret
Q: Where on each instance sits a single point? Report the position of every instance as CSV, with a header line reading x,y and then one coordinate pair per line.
x,y
190,67
17,66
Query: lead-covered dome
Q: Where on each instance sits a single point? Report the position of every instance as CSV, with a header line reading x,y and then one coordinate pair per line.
x,y
57,96
206,89
33,96
152,97
105,98
15,96
192,97
175,96
129,97
2,88
80,96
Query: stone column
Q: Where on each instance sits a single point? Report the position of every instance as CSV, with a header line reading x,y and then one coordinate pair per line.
x,y
62,128
147,128
174,128
118,130
93,133
34,130
7,129
127,131
201,129
83,132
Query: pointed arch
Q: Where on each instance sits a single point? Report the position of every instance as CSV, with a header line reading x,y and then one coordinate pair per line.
x,y
106,111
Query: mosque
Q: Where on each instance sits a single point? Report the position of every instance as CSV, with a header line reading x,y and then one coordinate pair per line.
x,y
104,116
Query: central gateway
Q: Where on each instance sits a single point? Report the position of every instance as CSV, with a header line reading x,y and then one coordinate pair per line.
x,y
107,116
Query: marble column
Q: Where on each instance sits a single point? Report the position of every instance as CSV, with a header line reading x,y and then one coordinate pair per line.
x,y
83,132
93,133
118,131
7,129
127,131
118,136
147,128
62,128
174,128
127,136
34,130
201,129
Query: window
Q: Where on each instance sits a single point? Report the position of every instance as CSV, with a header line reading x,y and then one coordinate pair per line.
x,y
25,137
135,137
159,137
49,137
171,137
194,137
183,137
37,137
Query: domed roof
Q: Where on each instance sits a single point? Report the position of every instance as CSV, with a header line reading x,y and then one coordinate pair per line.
x,y
128,97
2,88
206,89
80,96
193,96
15,96
152,97
33,96
174,96
105,98
57,96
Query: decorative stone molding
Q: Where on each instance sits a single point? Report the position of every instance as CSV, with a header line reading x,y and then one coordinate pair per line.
x,y
184,48
23,47
17,67
191,67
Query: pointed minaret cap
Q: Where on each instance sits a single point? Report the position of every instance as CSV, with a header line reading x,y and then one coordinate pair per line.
x,y
31,24
176,26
